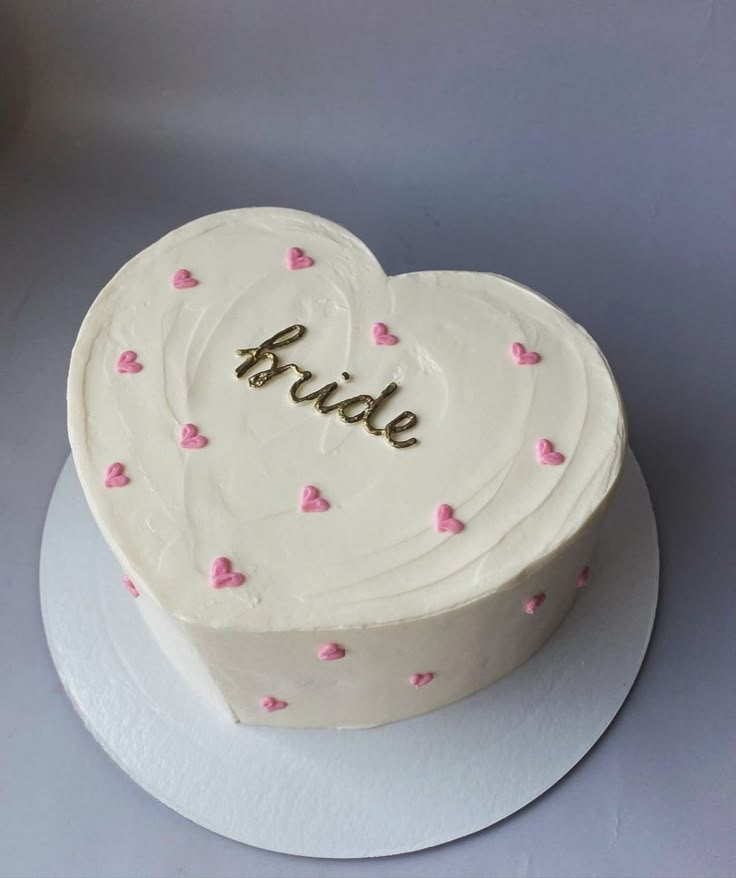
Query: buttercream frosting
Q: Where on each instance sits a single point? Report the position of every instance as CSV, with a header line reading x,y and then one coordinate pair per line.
x,y
413,532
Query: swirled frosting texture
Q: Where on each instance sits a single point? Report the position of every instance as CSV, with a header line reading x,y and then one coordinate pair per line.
x,y
375,556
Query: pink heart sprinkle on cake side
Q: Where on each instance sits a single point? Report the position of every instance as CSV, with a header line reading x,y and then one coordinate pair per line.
x,y
584,577
222,576
128,362
269,703
115,476
131,587
296,258
191,437
381,335
419,680
312,500
445,522
532,604
183,279
547,455
522,356
330,652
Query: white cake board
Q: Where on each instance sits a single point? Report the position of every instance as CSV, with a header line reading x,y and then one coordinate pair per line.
x,y
325,793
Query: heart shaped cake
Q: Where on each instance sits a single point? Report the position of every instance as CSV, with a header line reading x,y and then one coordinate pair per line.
x,y
338,498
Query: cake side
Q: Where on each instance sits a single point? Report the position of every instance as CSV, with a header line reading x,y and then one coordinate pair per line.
x,y
364,677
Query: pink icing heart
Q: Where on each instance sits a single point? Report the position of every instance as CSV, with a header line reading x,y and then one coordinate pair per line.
x,y
183,279
191,437
221,575
270,703
115,476
419,680
131,587
444,520
330,652
381,335
532,604
584,577
547,455
296,258
127,363
312,500
522,356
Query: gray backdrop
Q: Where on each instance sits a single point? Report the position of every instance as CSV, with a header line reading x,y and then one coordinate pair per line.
x,y
585,148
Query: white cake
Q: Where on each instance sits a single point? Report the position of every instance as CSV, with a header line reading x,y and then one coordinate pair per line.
x,y
361,563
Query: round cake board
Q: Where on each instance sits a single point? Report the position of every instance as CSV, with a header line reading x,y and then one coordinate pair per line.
x,y
358,793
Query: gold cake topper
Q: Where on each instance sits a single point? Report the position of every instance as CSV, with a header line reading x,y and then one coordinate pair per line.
x,y
364,407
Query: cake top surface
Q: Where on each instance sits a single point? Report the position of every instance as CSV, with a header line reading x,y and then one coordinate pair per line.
x,y
235,507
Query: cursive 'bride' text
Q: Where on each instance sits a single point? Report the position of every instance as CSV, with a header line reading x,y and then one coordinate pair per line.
x,y
356,409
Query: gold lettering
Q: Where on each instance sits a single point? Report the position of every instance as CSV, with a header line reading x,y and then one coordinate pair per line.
x,y
319,396
361,399
404,421
260,378
373,409
264,352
